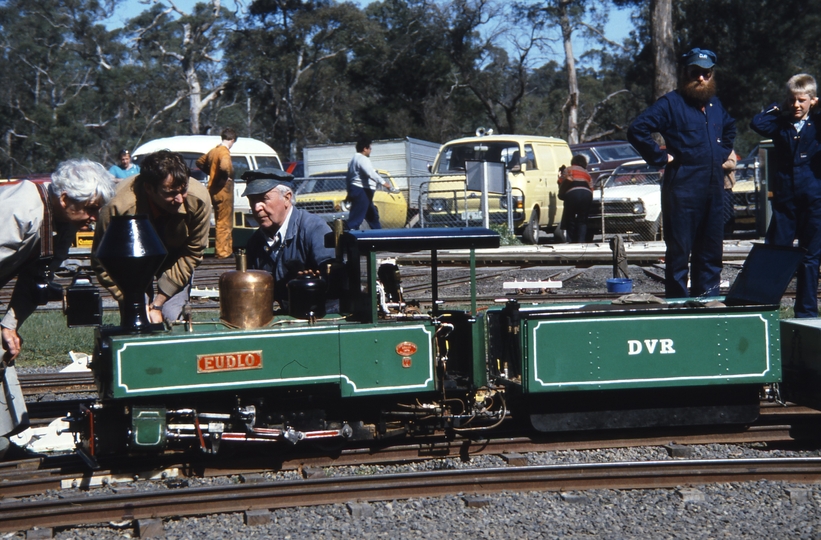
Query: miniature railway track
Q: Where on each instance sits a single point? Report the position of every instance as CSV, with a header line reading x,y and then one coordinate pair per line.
x,y
56,383
777,425
70,511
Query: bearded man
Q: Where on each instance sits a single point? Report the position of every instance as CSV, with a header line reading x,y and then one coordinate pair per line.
x,y
699,136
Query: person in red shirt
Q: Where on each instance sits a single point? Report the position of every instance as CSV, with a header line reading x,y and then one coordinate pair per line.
x,y
578,196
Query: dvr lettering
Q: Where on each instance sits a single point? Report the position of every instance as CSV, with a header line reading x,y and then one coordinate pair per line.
x,y
635,346
209,363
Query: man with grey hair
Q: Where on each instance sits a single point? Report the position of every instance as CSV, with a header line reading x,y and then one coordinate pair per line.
x,y
38,223
289,240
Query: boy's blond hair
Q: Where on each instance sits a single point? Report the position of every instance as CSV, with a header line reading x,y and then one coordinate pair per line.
x,y
802,83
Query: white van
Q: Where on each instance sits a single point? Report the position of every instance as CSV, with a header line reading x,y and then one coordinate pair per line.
x,y
246,154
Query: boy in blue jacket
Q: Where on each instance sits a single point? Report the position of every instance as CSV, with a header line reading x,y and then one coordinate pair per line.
x,y
796,202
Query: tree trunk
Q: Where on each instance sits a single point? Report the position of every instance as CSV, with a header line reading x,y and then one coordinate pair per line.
x,y
194,98
572,85
664,56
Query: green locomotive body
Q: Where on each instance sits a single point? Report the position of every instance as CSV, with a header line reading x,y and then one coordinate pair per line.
x,y
380,369
360,359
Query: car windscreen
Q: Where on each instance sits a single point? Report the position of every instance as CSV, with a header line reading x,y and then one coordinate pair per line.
x,y
321,184
617,153
454,156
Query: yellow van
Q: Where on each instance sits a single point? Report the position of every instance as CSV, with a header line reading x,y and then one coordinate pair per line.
x,y
531,167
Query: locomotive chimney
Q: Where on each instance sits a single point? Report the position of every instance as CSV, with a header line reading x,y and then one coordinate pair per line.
x,y
131,251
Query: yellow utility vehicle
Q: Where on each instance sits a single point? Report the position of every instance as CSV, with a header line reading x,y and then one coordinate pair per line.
x,y
531,168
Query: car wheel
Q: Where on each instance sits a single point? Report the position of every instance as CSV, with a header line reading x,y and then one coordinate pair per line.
x,y
530,234
650,231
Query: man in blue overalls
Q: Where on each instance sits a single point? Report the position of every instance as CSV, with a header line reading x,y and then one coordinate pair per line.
x,y
699,135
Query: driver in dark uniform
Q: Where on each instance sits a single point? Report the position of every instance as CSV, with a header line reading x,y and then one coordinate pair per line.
x,y
699,135
289,240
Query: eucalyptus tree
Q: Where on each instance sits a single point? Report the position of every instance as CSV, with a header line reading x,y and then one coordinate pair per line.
x,y
406,71
53,53
491,54
557,23
289,57
183,50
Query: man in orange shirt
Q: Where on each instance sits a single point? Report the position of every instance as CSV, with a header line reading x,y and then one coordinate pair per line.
x,y
217,164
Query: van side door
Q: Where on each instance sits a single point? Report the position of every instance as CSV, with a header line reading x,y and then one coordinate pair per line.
x,y
549,170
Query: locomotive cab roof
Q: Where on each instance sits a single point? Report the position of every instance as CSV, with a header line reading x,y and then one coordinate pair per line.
x,y
409,240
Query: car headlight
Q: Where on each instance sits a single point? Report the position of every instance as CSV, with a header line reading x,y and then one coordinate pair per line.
x,y
518,202
638,207
438,205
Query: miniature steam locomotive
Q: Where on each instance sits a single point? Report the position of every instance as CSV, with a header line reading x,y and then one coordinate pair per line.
x,y
382,368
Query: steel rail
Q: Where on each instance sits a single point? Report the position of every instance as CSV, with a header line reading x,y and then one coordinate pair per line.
x,y
24,477
56,383
464,449
83,509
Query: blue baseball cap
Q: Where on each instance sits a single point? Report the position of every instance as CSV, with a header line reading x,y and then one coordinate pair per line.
x,y
261,181
699,57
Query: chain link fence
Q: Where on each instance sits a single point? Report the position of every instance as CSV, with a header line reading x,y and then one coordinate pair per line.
x,y
446,203
627,202
632,203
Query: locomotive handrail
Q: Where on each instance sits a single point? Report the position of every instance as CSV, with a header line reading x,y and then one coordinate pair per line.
x,y
370,242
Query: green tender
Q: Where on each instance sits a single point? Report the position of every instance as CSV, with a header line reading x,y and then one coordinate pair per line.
x,y
650,349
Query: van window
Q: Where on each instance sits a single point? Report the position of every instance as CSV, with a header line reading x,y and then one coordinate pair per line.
x,y
267,162
530,158
191,161
240,164
454,156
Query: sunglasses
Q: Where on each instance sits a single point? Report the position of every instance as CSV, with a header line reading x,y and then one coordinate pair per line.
x,y
694,72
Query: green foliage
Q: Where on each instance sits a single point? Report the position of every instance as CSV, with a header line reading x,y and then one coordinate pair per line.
x,y
295,73
508,237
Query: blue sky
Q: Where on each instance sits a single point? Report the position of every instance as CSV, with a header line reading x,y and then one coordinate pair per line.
x,y
616,30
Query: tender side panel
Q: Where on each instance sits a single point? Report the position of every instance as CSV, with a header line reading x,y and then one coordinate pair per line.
x,y
650,350
220,361
386,359
802,361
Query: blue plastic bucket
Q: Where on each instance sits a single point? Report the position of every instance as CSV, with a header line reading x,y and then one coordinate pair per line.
x,y
619,285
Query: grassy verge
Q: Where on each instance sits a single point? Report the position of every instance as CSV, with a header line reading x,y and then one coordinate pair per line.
x,y
47,340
